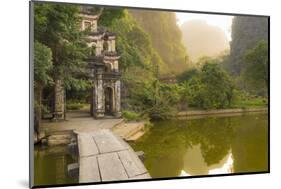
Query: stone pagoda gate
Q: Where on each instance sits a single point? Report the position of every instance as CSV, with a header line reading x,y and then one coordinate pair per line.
x,y
103,69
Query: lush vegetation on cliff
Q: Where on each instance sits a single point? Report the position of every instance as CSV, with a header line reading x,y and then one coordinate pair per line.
x,y
166,38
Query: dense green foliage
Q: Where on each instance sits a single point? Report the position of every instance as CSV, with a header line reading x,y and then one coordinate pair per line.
x,y
42,63
166,38
155,99
59,49
58,27
42,68
134,44
131,116
109,15
210,88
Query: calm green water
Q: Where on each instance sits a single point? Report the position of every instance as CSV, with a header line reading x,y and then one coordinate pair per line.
x,y
206,146
181,148
50,165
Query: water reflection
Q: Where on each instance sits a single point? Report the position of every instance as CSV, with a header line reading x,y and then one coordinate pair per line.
x,y
195,164
50,165
206,146
227,166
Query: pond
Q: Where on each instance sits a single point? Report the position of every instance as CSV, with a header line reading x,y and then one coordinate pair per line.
x,y
50,165
210,145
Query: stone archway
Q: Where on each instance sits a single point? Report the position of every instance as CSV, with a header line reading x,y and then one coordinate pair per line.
x,y
108,101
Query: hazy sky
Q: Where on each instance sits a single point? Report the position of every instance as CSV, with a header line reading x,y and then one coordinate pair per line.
x,y
222,21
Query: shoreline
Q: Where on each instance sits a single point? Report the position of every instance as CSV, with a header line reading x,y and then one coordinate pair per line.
x,y
194,113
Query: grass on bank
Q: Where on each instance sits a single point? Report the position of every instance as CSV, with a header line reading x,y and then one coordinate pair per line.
x,y
131,115
250,102
75,105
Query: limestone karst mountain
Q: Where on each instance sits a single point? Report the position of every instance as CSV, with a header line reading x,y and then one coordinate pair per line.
x,y
246,33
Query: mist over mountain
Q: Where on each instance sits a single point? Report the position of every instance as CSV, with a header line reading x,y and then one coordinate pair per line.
x,y
202,39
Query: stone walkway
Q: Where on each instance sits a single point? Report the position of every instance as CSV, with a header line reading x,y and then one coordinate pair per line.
x,y
80,121
104,156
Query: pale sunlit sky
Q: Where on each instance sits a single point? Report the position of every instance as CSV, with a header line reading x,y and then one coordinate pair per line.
x,y
222,21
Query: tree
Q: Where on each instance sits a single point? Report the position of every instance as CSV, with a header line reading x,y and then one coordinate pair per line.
x,y
42,68
155,99
256,66
58,27
219,86
109,15
211,88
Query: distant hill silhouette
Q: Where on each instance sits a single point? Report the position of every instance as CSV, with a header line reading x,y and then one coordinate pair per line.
x,y
202,39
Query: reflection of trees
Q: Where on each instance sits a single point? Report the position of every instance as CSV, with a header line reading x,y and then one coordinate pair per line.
x,y
214,136
50,165
164,149
167,142
249,144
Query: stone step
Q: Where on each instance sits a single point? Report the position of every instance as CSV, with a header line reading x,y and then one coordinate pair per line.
x,y
135,129
58,132
55,142
59,137
127,130
136,136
